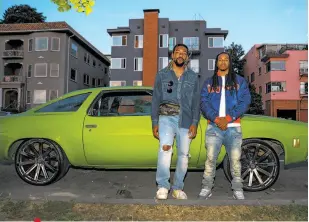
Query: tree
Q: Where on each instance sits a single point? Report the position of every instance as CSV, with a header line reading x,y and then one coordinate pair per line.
x,y
256,106
236,51
22,14
82,6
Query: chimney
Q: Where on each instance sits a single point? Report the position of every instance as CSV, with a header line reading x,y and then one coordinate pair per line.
x,y
150,46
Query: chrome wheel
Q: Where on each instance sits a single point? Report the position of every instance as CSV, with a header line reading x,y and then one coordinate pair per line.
x,y
38,161
260,165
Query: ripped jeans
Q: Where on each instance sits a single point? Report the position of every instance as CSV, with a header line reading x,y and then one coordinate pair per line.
x,y
232,140
168,130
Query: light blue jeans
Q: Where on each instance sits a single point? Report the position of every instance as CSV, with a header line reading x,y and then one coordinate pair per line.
x,y
168,130
232,140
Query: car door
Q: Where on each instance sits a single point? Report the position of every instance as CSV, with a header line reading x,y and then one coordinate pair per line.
x,y
117,130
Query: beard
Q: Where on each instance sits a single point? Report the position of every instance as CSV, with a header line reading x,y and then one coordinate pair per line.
x,y
179,64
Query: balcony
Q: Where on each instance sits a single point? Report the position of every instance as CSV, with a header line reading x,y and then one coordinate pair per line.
x,y
193,48
19,54
12,79
268,51
14,49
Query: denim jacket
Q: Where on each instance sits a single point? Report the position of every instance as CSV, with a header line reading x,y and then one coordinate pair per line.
x,y
187,95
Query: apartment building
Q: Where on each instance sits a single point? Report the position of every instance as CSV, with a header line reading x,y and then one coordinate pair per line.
x,y
280,74
144,47
42,61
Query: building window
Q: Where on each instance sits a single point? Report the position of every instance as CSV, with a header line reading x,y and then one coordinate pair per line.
x,y
54,70
55,44
29,71
39,96
30,45
73,75
211,64
86,58
276,87
93,82
94,63
275,66
120,40
118,63
137,83
194,65
40,70
105,70
163,40
252,77
53,94
260,90
99,82
163,62
74,50
138,41
192,42
215,42
41,44
304,88
138,64
117,83
86,79
171,43
28,99
260,70
303,67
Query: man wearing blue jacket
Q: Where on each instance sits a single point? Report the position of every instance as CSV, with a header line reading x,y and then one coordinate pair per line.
x,y
225,97
175,113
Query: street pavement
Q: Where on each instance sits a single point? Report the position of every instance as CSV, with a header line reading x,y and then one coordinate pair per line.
x,y
114,186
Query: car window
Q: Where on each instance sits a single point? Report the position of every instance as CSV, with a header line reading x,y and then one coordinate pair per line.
x,y
70,104
122,104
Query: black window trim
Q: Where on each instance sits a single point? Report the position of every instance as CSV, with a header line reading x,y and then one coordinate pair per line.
x,y
113,91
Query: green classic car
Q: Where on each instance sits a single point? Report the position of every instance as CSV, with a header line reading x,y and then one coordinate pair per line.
x,y
111,128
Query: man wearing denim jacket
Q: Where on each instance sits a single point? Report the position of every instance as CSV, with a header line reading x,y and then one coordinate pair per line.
x,y
225,97
175,113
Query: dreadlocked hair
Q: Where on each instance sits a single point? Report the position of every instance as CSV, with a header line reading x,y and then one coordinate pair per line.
x,y
231,82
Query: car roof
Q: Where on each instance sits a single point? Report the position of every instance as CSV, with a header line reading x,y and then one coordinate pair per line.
x,y
113,88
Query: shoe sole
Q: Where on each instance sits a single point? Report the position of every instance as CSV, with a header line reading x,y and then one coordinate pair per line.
x,y
237,198
205,198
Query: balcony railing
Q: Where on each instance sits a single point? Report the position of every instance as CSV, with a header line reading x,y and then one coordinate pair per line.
x,y
12,79
13,54
303,71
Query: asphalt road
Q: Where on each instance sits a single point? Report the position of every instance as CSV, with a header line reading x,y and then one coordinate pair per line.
x,y
139,187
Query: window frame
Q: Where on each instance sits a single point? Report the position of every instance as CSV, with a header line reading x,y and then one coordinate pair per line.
x,y
121,36
214,37
61,99
132,92
35,44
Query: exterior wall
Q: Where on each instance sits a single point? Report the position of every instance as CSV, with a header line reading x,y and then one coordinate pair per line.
x,y
273,101
291,76
151,27
48,83
82,68
151,40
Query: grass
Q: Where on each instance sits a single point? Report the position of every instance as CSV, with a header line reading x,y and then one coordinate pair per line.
x,y
55,210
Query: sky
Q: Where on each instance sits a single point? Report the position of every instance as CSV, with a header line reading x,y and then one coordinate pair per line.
x,y
249,22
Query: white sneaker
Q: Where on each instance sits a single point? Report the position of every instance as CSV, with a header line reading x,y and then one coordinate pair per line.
x,y
239,195
205,194
162,194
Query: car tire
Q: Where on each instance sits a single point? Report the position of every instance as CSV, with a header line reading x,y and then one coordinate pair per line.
x,y
43,167
255,167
